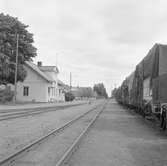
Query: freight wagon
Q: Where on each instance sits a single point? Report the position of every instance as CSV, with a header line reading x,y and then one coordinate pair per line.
x,y
146,88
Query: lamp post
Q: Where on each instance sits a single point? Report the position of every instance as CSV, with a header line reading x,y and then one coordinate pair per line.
x,y
16,65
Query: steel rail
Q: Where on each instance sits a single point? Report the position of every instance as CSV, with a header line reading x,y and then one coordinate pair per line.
x,y
7,116
64,159
25,149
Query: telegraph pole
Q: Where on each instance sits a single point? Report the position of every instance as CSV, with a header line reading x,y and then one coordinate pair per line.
x,y
70,81
16,65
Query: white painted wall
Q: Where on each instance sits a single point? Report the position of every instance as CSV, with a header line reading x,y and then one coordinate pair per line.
x,y
52,95
55,93
37,87
58,95
37,92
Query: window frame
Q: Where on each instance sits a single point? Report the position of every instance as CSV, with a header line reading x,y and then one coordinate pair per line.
x,y
25,90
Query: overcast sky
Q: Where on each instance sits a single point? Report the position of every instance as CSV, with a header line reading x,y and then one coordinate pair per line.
x,y
96,40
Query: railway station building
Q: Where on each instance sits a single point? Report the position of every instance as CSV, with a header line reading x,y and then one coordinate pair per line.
x,y
40,85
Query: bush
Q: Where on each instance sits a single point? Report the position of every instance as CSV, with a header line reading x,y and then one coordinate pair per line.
x,y
6,95
69,96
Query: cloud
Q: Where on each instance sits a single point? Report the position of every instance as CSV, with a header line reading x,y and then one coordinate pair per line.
x,y
135,22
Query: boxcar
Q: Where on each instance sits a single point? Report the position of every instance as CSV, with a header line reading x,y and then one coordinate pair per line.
x,y
146,88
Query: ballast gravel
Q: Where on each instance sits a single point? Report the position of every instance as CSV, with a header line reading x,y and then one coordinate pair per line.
x,y
16,133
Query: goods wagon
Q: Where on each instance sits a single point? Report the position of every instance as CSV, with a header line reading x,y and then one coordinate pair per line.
x,y
146,88
159,97
160,89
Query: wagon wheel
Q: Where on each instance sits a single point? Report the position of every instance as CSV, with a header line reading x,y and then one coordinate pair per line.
x,y
143,112
164,121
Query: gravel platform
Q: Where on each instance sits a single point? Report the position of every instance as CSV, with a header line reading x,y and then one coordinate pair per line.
x,y
121,138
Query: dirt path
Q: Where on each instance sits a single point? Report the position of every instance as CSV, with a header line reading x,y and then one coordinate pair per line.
x,y
121,138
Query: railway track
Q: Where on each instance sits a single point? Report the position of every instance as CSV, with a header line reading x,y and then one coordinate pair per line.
x,y
29,112
10,159
64,159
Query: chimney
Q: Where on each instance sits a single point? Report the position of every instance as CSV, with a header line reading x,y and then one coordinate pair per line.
x,y
39,64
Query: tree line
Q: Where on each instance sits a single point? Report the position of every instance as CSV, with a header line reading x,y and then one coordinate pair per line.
x,y
100,90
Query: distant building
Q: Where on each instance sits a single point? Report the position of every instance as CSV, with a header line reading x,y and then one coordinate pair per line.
x,y
40,85
83,92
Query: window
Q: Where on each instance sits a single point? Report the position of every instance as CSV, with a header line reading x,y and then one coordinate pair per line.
x,y
25,91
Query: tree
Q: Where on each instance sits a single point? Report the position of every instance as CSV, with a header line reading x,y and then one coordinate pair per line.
x,y
9,28
100,90
69,96
113,92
